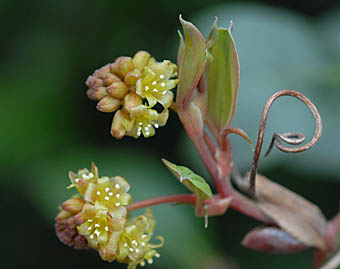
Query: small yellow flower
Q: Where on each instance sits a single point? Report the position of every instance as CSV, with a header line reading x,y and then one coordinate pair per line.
x,y
155,84
101,230
134,243
106,192
143,120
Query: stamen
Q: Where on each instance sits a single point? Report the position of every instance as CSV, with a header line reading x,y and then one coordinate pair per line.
x,y
76,180
107,198
144,235
96,225
143,244
97,232
154,82
150,261
117,195
146,88
156,125
164,92
89,220
131,249
157,255
117,204
140,123
155,90
125,245
85,176
98,192
117,186
110,193
162,84
137,250
161,76
90,175
89,228
91,236
107,189
147,133
134,242
107,228
146,128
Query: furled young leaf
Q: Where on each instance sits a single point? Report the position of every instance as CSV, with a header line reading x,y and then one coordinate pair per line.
x,y
222,78
193,182
191,61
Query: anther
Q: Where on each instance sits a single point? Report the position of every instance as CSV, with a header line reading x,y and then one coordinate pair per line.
x,y
107,198
107,189
117,186
162,84
154,82
110,193
90,175
161,76
98,192
117,195
117,204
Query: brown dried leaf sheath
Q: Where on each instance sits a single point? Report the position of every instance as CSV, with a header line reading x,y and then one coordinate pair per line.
x,y
299,217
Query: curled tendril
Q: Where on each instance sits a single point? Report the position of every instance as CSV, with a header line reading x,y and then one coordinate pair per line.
x,y
292,138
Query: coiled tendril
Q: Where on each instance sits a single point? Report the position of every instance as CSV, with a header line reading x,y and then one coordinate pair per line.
x,y
291,138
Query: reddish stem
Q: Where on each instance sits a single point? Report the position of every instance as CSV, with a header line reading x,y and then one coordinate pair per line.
x,y
176,198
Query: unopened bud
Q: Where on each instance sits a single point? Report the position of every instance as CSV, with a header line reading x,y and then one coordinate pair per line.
x,y
110,78
73,205
93,82
118,90
91,94
100,93
101,72
132,77
108,104
117,128
125,65
132,100
140,59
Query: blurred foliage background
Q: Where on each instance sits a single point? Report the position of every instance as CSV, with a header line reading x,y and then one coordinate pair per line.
x,y
49,126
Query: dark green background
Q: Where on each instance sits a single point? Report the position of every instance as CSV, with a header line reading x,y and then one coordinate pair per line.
x,y
49,126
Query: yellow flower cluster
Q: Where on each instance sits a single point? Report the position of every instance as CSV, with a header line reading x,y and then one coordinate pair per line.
x,y
99,220
135,85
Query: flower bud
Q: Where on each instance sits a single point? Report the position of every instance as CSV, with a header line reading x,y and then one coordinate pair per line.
x,y
99,93
101,72
65,225
132,77
118,90
125,65
93,82
108,104
141,59
131,101
110,78
73,205
117,129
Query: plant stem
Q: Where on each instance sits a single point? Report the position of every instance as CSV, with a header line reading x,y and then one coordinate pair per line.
x,y
176,198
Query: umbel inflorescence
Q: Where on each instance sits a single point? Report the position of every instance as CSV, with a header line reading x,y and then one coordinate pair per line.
x,y
131,87
99,220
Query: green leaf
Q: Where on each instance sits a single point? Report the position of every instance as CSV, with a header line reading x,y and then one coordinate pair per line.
x,y
222,78
192,181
